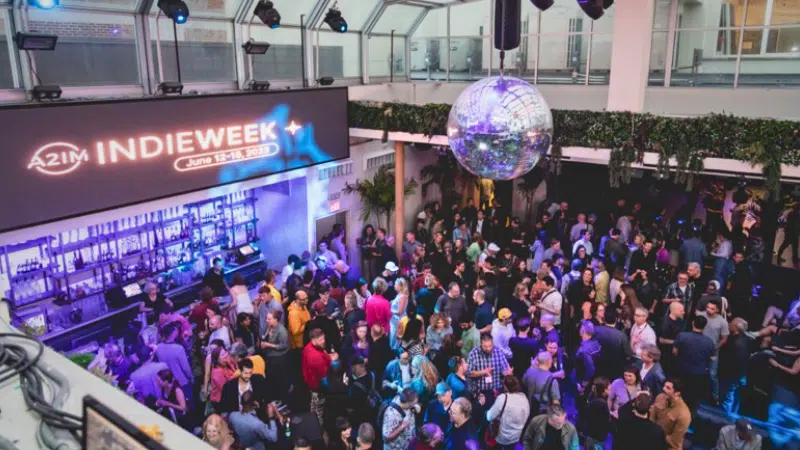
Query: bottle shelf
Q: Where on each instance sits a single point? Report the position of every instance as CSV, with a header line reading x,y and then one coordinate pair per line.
x,y
32,273
175,219
25,304
173,243
84,269
136,253
131,231
75,246
241,202
220,228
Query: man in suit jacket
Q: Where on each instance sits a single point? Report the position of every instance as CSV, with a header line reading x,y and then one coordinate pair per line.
x,y
246,381
482,225
634,428
615,348
653,377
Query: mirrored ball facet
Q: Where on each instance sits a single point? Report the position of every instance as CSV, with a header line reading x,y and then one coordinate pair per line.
x,y
499,128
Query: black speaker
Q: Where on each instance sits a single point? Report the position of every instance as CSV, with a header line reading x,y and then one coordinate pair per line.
x,y
544,4
507,23
592,8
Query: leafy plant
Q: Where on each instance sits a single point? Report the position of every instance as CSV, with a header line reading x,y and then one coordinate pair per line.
x,y
82,359
527,186
687,140
451,178
377,194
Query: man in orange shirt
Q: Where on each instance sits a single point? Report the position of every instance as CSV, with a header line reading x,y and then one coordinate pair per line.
x,y
297,320
670,412
239,352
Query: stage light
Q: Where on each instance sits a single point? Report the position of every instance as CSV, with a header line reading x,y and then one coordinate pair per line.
x,y
607,4
170,88
257,86
49,92
325,81
35,41
266,11
335,20
543,5
175,10
255,48
592,8
45,4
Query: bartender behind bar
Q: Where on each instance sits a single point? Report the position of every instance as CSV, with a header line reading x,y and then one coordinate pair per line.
x,y
215,279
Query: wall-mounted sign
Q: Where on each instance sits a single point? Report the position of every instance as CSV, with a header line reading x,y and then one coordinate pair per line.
x,y
69,159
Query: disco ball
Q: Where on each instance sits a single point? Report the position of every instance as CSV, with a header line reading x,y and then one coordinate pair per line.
x,y
499,128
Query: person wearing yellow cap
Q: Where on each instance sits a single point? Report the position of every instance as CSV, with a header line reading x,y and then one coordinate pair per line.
x,y
502,331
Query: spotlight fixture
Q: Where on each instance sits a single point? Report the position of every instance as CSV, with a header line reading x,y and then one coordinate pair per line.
x,y
35,41
170,88
252,47
325,81
335,20
46,92
543,5
45,4
257,86
266,11
175,10
592,8
607,4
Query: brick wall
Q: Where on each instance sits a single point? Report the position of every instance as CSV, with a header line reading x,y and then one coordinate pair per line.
x,y
207,5
89,30
205,35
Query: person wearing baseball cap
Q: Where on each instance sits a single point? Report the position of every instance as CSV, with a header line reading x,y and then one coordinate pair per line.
x,y
739,436
439,408
502,331
491,250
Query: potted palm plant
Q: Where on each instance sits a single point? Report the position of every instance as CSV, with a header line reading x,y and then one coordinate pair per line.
x,y
453,180
377,195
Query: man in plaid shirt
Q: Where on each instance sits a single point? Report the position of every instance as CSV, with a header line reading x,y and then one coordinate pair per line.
x,y
681,291
486,366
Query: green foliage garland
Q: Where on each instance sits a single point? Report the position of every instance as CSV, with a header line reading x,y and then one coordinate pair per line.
x,y
686,140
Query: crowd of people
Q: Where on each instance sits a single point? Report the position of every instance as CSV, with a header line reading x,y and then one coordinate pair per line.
x,y
575,331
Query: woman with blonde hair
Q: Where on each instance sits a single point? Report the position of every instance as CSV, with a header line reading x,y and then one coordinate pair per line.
x,y
216,433
398,306
427,296
437,330
424,378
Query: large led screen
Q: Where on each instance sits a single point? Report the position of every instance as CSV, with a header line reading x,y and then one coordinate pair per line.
x,y
69,159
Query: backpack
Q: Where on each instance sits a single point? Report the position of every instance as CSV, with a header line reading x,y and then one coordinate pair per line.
x,y
538,406
374,399
385,405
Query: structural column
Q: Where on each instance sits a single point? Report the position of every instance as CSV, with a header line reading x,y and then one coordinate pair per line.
x,y
630,54
399,195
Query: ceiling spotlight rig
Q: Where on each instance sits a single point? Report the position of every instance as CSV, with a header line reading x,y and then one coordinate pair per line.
x,y
266,12
335,20
595,8
175,10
